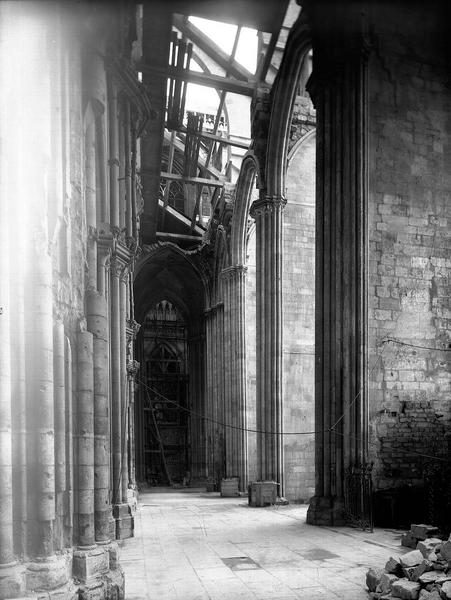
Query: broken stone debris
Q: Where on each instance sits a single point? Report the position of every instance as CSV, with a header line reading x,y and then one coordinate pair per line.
x,y
423,574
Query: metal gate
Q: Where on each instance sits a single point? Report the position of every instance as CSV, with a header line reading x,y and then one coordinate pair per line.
x,y
359,496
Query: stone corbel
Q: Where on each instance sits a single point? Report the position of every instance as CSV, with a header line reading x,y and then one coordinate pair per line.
x,y
132,369
267,204
133,328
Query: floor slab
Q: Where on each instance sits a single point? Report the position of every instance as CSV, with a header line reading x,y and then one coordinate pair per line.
x,y
193,545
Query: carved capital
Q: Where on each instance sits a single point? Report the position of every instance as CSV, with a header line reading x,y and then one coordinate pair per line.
x,y
229,192
132,368
133,328
234,272
119,268
267,205
93,234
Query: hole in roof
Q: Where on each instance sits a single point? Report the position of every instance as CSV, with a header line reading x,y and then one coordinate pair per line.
x,y
223,35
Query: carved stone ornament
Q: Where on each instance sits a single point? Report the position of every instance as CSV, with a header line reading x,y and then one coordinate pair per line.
x,y
132,368
267,205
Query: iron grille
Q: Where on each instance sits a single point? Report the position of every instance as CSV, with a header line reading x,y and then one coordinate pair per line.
x,y
359,496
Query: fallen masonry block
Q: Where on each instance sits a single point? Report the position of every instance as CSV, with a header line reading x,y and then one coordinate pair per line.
x,y
408,540
428,546
373,578
393,566
440,565
405,589
446,589
445,550
416,572
425,595
422,532
429,577
411,559
386,582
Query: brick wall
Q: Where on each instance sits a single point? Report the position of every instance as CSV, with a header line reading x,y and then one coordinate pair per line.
x,y
410,250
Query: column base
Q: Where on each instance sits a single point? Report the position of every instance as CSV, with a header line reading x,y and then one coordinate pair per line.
x,y
98,573
12,580
132,498
125,522
51,577
326,510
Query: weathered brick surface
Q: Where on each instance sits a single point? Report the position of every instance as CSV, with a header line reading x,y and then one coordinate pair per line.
x,y
410,253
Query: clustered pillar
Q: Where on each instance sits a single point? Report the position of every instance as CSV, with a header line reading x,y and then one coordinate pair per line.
x,y
64,308
214,393
267,212
338,89
235,375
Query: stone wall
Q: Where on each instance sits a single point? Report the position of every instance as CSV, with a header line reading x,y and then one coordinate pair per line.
x,y
251,356
409,245
298,279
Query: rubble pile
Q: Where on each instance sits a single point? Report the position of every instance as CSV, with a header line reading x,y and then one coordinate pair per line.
x,y
422,574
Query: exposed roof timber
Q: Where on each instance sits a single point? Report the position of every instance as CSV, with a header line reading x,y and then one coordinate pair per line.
x,y
180,217
222,140
203,42
214,81
265,63
179,145
178,236
263,15
201,180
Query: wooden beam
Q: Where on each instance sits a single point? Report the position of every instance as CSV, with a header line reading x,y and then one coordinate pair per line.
x,y
263,67
201,180
215,81
217,138
179,236
223,140
203,42
181,217
180,146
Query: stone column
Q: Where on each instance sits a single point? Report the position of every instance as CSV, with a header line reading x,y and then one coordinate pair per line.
x,y
218,394
267,212
97,318
235,372
209,397
85,439
116,268
124,384
60,429
69,512
132,369
214,397
89,560
113,160
119,279
10,583
338,88
196,425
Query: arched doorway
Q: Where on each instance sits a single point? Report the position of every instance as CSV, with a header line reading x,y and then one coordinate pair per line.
x,y
164,352
169,295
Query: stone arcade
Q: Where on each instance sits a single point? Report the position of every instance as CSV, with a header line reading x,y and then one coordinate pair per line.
x,y
249,283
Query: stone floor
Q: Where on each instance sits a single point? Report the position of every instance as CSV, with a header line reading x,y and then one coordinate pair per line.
x,y
193,545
